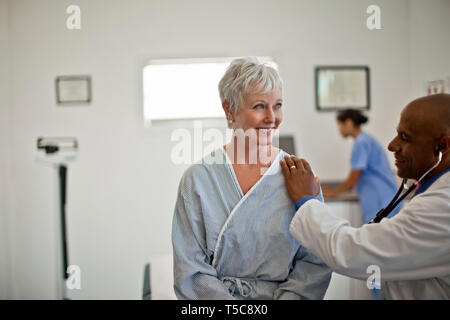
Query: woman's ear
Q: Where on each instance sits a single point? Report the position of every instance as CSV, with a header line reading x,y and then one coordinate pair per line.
x,y
227,109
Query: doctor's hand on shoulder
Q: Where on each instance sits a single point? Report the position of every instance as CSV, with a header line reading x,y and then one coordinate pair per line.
x,y
300,180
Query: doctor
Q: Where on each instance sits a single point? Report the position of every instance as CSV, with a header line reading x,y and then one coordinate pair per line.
x,y
412,249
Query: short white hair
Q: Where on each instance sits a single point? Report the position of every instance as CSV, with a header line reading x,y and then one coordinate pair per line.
x,y
244,74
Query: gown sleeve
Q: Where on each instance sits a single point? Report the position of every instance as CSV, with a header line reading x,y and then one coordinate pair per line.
x,y
309,278
194,276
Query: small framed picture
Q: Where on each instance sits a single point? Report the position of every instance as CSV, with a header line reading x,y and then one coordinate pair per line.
x,y
342,87
435,86
72,90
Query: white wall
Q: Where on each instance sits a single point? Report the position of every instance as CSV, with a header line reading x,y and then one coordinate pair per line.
x,y
429,44
5,271
123,186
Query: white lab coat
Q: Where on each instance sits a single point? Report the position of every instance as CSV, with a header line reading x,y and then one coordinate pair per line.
x,y
412,249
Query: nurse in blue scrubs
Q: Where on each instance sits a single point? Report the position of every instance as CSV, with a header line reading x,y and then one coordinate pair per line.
x,y
370,170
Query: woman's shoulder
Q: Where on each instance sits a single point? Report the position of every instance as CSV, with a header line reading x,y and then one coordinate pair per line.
x,y
202,168
369,143
283,153
364,140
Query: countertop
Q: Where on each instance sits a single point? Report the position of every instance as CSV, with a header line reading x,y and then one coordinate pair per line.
x,y
345,196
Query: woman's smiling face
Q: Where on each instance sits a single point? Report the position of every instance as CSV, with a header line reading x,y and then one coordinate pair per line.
x,y
259,114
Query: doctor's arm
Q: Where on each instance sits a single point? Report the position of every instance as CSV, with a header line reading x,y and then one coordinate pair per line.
x,y
194,276
412,245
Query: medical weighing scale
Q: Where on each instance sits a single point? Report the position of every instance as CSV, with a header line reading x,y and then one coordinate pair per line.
x,y
57,153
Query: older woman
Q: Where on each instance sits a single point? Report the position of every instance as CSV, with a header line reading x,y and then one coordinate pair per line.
x,y
231,223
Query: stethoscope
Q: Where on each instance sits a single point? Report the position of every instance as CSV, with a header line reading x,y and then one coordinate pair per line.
x,y
394,202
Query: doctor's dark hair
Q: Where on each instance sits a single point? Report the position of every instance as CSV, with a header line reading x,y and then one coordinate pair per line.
x,y
355,115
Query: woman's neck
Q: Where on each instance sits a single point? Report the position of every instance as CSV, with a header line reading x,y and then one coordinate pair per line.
x,y
257,155
356,132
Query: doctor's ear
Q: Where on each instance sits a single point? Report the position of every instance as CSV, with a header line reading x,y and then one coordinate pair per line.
x,y
444,145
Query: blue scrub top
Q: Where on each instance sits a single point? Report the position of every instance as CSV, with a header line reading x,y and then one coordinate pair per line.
x,y
376,185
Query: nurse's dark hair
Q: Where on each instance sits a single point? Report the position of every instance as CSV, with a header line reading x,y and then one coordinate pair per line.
x,y
355,115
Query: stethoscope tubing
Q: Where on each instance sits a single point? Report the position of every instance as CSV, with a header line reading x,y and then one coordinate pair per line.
x,y
394,202
383,213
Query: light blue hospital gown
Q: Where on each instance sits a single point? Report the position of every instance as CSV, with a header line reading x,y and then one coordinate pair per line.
x,y
230,246
376,185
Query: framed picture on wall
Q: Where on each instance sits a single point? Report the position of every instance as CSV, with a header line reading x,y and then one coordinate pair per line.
x,y
342,87
72,90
